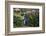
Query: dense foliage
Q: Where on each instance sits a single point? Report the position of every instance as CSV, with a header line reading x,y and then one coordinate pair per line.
x,y
32,20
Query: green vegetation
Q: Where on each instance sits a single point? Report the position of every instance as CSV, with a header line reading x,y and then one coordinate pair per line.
x,y
18,19
34,20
